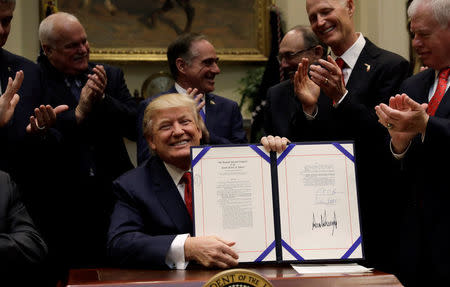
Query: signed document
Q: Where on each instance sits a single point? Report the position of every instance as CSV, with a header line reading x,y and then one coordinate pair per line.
x,y
299,205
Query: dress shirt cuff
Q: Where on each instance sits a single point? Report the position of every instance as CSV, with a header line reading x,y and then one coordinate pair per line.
x,y
341,99
314,114
398,155
175,255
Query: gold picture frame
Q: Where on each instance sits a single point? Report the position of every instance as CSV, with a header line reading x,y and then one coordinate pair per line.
x,y
136,30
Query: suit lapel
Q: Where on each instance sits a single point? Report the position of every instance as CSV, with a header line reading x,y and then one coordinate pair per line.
x,y
168,195
423,85
211,109
6,70
361,73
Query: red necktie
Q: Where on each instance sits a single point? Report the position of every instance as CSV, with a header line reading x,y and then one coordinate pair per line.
x,y
341,65
439,93
188,191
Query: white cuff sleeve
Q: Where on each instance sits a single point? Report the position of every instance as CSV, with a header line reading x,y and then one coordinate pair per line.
x,y
340,101
314,114
175,255
399,155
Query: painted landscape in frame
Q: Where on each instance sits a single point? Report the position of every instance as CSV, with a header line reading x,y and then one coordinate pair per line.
x,y
137,30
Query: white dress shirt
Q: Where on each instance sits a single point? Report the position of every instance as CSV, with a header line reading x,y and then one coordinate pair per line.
x,y
175,256
350,58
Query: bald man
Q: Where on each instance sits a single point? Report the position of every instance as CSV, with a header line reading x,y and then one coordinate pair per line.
x,y
90,153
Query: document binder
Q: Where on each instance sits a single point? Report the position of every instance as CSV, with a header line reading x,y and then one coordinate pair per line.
x,y
300,205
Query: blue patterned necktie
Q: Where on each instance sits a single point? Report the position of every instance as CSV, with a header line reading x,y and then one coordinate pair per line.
x,y
75,86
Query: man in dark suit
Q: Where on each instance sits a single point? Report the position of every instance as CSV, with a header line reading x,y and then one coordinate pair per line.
x,y
152,218
193,64
281,103
90,152
21,99
343,90
419,125
21,247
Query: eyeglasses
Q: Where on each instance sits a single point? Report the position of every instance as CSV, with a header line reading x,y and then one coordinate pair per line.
x,y
291,55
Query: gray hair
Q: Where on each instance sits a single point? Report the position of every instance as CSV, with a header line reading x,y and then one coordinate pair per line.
x,y
46,35
439,8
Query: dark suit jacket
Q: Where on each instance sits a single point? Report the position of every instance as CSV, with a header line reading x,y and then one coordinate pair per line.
x,y
20,243
424,247
223,121
281,107
355,119
16,146
73,210
147,216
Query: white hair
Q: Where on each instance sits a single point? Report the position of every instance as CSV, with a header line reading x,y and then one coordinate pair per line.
x,y
439,8
46,27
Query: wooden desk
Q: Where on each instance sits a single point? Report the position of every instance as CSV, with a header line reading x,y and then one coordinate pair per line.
x,y
279,275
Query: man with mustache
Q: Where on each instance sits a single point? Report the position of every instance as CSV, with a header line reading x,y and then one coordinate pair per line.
x,y
193,64
418,121
90,152
281,102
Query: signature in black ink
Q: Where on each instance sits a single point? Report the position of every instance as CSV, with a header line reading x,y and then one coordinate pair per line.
x,y
324,222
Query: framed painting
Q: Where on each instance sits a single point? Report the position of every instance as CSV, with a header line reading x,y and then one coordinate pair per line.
x,y
136,30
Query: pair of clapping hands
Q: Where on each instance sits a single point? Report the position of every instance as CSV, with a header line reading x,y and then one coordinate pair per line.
x,y
45,116
403,117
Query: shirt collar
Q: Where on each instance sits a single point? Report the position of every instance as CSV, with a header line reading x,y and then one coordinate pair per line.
x,y
180,89
352,54
175,173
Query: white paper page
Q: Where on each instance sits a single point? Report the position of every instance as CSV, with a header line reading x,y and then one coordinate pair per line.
x,y
233,199
330,268
318,203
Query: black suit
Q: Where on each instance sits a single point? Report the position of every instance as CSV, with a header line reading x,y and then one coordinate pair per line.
x,y
74,207
355,119
147,216
21,246
17,148
223,121
281,106
424,247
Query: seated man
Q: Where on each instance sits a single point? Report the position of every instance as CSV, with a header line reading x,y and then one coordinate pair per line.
x,y
21,246
152,218
193,64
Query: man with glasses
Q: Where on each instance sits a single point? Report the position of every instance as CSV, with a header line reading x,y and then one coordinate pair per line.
x,y
194,65
282,103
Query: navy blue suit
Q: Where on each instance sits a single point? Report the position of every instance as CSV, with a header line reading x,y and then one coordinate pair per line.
x,y
16,146
424,247
147,216
223,121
